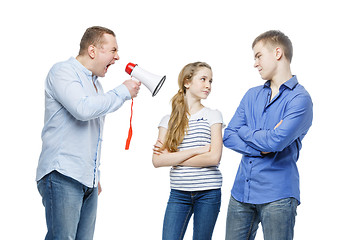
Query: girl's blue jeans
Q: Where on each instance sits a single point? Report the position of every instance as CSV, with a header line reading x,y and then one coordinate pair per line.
x,y
204,205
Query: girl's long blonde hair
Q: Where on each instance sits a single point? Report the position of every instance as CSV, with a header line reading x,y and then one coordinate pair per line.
x,y
179,122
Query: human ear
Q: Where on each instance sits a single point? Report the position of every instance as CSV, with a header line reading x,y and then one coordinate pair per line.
x,y
92,51
278,53
186,84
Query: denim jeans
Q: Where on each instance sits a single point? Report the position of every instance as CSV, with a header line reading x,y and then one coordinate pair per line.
x,y
205,205
70,207
277,219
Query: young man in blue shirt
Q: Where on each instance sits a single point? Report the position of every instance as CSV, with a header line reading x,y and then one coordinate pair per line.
x,y
75,107
267,129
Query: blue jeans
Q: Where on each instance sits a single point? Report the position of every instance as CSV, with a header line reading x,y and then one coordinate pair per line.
x,y
205,205
277,219
70,207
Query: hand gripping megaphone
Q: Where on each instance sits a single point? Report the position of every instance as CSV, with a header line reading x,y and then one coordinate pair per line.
x,y
151,81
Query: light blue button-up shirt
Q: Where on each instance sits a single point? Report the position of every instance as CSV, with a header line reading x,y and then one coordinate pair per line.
x,y
269,177
74,119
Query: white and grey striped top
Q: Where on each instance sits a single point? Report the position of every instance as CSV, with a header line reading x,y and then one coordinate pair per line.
x,y
199,134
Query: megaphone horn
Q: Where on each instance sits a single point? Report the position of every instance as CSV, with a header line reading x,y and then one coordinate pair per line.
x,y
151,81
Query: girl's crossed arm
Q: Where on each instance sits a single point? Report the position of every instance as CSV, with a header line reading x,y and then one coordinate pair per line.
x,y
208,155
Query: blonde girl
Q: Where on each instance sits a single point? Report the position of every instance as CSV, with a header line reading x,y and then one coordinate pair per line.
x,y
190,141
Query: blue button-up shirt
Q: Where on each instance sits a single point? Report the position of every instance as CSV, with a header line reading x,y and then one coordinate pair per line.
x,y
73,124
269,177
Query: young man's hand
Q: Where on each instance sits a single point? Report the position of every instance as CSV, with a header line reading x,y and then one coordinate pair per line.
x,y
277,125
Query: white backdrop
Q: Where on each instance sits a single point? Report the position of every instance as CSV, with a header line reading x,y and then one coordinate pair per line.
x,y
163,36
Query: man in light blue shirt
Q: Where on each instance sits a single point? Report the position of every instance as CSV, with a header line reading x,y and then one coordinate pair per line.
x,y
75,108
267,128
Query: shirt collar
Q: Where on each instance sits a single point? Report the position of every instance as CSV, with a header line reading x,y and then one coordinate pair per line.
x,y
82,68
291,83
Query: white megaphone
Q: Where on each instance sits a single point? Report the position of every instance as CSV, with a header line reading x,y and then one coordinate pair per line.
x,y
151,81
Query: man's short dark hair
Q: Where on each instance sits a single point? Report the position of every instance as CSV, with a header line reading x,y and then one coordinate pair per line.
x,y
93,36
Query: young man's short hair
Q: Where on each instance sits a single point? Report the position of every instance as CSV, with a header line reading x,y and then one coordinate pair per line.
x,y
275,37
93,36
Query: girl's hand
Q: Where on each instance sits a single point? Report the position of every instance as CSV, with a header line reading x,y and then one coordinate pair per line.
x,y
204,149
157,147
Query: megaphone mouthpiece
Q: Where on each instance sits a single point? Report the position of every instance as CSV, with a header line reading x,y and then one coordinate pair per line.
x,y
129,67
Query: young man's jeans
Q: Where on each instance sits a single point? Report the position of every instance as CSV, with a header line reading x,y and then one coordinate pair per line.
x,y
70,207
205,205
277,219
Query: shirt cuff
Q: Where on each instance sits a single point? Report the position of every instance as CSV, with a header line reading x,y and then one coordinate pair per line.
x,y
122,91
256,153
